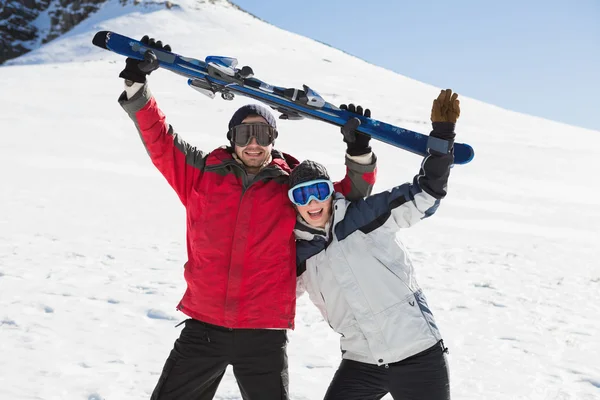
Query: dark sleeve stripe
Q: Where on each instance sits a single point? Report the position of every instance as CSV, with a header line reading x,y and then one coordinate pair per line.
x,y
193,156
379,221
371,213
300,268
430,211
306,249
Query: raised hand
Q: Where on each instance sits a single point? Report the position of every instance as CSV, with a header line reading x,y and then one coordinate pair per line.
x,y
357,142
446,108
137,70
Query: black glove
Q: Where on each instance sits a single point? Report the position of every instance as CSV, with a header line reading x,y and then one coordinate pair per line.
x,y
357,142
137,70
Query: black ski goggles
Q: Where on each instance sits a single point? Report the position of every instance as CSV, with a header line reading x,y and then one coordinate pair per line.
x,y
242,134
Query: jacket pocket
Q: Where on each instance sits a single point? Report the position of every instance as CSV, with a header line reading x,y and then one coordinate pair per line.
x,y
405,327
194,215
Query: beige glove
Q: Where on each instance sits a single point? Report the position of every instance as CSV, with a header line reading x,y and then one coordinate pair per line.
x,y
446,108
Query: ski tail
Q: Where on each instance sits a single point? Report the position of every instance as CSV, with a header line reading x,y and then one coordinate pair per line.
x,y
100,39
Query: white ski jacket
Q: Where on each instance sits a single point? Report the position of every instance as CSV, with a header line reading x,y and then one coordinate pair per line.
x,y
360,276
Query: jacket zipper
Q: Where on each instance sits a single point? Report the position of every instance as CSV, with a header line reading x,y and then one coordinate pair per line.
x,y
245,186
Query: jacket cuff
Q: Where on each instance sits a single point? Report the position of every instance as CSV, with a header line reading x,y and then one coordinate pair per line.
x,y
354,150
359,167
136,102
364,159
133,89
443,130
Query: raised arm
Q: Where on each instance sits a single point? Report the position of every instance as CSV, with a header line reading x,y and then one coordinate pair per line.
x,y
361,163
179,162
409,203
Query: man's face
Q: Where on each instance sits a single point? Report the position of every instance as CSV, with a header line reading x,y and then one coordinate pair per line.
x,y
253,156
316,213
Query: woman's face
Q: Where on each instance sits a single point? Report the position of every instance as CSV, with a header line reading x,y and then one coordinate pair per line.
x,y
316,213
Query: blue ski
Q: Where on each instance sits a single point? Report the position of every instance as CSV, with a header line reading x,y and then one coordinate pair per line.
x,y
220,75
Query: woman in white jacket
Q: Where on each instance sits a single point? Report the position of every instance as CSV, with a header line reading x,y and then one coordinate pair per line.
x,y
361,278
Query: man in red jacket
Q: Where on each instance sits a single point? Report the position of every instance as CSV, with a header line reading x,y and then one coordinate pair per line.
x,y
241,268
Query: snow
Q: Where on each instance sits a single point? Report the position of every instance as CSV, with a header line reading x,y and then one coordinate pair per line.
x,y
92,239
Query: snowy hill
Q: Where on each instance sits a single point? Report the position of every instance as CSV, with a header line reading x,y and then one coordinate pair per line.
x,y
92,239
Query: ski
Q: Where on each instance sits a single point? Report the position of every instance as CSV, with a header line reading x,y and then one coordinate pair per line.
x,y
218,74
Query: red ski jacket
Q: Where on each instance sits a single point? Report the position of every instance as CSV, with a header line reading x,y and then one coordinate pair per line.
x,y
241,268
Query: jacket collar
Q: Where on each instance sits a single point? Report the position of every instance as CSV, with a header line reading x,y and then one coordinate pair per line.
x,y
279,164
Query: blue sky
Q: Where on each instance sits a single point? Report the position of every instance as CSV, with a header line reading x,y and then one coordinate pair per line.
x,y
537,57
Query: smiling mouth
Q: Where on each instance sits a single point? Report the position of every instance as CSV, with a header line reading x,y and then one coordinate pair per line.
x,y
316,214
253,153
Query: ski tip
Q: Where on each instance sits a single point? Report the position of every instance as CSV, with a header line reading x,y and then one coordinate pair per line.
x,y
100,39
463,153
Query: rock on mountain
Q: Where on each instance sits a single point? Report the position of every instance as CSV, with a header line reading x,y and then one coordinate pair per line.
x,y
28,24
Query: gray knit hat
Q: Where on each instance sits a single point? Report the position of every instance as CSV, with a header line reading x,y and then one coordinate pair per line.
x,y
307,171
252,109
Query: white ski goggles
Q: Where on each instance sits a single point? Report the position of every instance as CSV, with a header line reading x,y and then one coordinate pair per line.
x,y
318,189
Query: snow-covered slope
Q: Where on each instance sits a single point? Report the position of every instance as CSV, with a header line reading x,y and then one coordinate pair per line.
x,y
92,239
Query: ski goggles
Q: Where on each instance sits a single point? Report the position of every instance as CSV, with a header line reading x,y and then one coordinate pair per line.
x,y
303,193
242,134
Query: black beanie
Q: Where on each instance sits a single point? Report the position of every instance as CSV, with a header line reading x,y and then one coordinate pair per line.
x,y
252,109
307,171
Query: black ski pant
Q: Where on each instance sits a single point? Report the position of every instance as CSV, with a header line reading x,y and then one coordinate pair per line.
x,y
202,353
423,376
